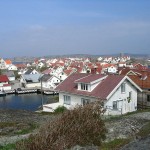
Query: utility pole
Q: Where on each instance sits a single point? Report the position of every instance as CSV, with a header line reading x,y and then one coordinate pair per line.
x,y
41,93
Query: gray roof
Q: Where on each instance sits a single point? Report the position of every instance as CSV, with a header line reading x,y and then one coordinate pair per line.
x,y
9,73
46,77
29,71
32,77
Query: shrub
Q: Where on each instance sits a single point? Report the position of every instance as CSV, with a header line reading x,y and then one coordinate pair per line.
x,y
80,126
60,109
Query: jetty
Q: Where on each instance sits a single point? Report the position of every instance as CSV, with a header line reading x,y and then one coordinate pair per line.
x,y
27,91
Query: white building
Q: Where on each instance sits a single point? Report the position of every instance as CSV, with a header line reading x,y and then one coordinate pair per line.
x,y
117,93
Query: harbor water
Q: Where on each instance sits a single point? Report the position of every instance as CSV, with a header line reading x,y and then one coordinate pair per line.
x,y
30,102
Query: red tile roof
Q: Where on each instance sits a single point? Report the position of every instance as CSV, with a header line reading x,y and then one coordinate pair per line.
x,y
20,65
89,78
144,84
3,78
68,71
102,90
8,62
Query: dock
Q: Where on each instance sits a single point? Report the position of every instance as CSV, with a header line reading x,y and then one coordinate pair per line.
x,y
27,91
47,92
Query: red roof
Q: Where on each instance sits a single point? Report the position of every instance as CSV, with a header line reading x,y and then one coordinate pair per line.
x,y
101,91
89,78
68,71
144,84
20,65
8,62
3,78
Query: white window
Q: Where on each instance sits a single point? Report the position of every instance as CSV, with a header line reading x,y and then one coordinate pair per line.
x,y
85,101
84,86
67,99
123,88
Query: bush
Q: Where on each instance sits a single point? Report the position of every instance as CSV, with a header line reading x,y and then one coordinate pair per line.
x,y
60,109
80,126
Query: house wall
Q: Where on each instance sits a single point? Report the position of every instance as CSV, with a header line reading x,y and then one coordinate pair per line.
x,y
2,83
143,101
112,70
75,100
12,67
122,102
11,78
123,105
33,85
5,88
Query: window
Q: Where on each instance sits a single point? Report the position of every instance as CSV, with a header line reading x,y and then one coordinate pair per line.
x,y
123,88
130,95
115,105
85,101
84,86
148,98
67,100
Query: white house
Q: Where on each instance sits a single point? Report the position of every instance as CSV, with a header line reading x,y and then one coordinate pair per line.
x,y
2,63
4,83
112,69
49,81
31,71
117,93
12,67
10,74
41,64
30,80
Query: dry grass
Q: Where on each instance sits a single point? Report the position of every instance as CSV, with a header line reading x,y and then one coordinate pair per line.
x,y
80,126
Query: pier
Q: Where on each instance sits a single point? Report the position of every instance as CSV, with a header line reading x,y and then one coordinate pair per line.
x,y
27,91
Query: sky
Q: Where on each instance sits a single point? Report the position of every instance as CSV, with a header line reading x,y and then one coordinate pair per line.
x,y
60,27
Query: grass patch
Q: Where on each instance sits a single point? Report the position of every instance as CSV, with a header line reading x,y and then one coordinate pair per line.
x,y
7,124
8,147
32,126
60,109
136,112
46,113
112,118
115,144
145,130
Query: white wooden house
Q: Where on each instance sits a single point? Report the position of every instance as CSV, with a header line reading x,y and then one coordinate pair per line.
x,y
4,83
117,93
49,81
12,67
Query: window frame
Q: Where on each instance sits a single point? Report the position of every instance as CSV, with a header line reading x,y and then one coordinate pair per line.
x,y
85,101
115,108
123,87
67,99
84,87
148,98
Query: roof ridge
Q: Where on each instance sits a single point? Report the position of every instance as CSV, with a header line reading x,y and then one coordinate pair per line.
x,y
83,77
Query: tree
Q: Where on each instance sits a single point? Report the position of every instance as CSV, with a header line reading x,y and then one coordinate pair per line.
x,y
80,126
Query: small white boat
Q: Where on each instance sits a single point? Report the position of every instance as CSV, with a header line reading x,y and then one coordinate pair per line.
x,y
48,92
2,93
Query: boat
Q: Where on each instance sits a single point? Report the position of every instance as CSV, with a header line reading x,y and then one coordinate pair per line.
x,y
48,92
2,93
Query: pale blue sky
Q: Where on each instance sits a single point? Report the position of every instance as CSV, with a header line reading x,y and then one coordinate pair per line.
x,y
51,27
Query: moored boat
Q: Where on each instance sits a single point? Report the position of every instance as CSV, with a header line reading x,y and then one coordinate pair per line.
x,y
2,93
